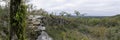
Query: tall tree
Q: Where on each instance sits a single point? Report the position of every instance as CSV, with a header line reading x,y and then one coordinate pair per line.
x,y
77,13
63,13
17,19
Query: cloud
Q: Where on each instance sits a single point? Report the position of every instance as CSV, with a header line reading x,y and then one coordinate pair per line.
x,y
59,0
2,3
107,7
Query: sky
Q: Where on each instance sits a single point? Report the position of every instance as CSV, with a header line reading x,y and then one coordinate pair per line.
x,y
90,7
2,3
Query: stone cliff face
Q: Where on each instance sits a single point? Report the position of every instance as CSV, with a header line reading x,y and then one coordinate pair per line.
x,y
35,22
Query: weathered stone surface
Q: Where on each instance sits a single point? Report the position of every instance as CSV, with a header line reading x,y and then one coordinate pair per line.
x,y
41,27
44,36
35,22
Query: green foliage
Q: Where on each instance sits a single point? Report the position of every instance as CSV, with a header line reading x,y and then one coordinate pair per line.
x,y
21,19
17,19
113,33
67,28
81,28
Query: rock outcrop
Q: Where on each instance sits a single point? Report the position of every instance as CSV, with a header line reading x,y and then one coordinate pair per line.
x,y
44,36
35,22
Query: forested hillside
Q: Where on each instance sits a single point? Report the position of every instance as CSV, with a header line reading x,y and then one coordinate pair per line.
x,y
64,26
67,28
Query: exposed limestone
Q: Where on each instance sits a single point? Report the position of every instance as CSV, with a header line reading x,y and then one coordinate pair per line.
x,y
44,36
35,22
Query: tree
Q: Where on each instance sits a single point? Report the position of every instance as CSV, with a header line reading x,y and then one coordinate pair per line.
x,y
17,19
63,13
68,15
77,13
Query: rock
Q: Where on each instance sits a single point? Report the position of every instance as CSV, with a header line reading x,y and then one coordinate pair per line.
x,y
41,28
44,36
36,22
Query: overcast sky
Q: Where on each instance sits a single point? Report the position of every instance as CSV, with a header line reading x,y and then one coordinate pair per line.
x,y
91,7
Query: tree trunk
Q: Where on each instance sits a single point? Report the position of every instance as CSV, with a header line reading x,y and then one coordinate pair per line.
x,y
17,19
